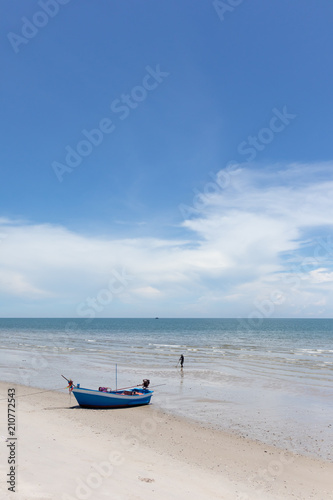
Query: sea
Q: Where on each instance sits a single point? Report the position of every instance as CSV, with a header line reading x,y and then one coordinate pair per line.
x,y
269,380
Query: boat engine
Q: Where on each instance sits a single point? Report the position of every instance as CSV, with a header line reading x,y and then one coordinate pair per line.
x,y
145,383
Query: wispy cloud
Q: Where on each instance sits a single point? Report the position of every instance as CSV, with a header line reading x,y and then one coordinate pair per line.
x,y
246,240
14,283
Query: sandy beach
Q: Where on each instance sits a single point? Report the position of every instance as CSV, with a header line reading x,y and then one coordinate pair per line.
x,y
65,452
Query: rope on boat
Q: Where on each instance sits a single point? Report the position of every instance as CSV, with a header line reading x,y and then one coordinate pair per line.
x,y
62,388
33,393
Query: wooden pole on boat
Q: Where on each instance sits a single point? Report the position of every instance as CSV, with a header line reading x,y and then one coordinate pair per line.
x,y
130,386
116,376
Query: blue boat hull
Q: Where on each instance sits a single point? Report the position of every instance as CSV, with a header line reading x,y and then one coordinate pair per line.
x,y
89,398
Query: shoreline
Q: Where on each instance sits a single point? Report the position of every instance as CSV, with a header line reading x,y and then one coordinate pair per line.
x,y
272,384
292,423
67,452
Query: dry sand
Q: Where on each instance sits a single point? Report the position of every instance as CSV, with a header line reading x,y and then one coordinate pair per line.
x,y
65,452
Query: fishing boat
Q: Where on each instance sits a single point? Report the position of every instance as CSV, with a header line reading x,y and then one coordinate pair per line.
x,y
105,398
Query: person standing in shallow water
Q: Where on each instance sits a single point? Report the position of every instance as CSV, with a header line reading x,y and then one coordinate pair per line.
x,y
181,361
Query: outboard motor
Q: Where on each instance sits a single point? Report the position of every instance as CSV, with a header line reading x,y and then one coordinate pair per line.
x,y
145,383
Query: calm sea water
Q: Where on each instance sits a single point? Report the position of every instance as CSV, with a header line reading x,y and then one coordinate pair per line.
x,y
272,382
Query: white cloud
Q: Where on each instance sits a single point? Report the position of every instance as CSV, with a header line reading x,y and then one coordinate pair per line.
x,y
15,283
235,259
321,275
147,291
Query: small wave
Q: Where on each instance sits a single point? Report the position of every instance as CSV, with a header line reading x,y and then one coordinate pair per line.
x,y
314,352
168,345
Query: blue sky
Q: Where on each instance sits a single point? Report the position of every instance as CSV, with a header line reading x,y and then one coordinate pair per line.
x,y
166,158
